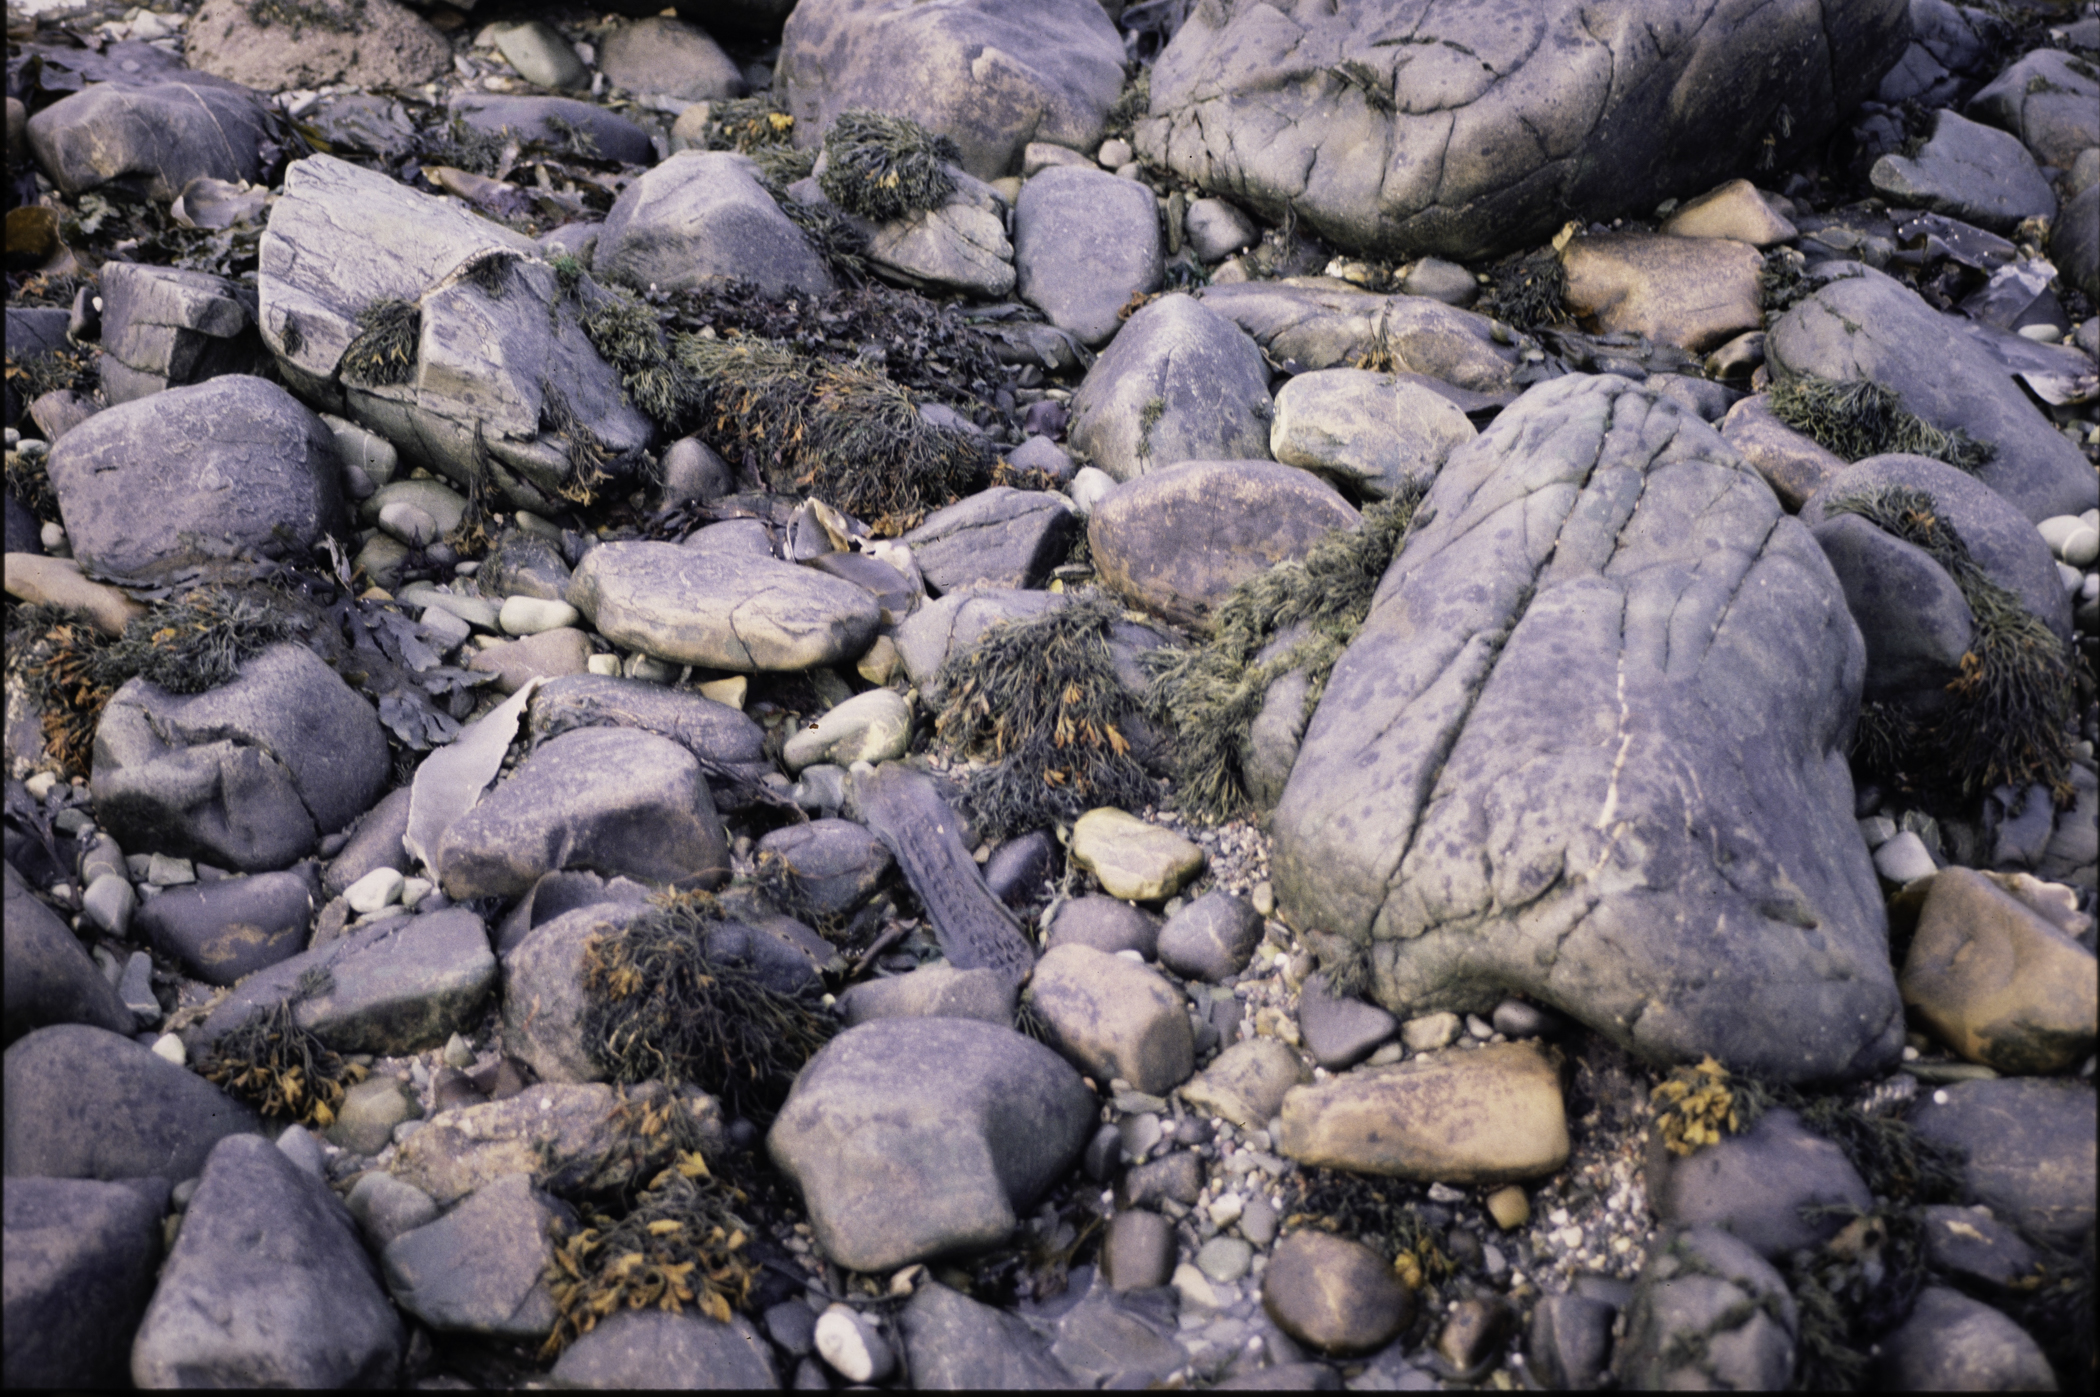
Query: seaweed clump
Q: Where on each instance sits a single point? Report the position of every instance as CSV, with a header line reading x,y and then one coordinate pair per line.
x,y
661,1003
885,167
2012,707
1376,1212
1212,694
762,129
1526,291
281,1068
625,331
384,352
1858,418
1039,698
1695,1106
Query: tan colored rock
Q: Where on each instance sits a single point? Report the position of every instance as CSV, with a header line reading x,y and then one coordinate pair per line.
x,y
1732,210
1114,1017
1133,860
365,43
1247,1083
1792,463
1333,1294
548,655
1691,292
1488,1115
1997,981
38,580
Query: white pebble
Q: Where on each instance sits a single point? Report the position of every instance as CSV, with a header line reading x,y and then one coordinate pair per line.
x,y
1226,1211
532,615
2081,548
412,524
414,890
53,537
607,665
168,1048
374,891
2056,529
40,784
1904,859
851,1346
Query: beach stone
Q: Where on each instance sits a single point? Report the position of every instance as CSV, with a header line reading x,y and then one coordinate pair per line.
x,y
1334,1295
670,57
58,582
1952,1343
1249,516
267,1284
1131,859
1247,1083
199,472
1695,293
225,931
376,43
1916,623
1967,171
652,1349
871,727
1708,1310
526,565
1127,1339
540,54
1138,1253
1224,1259
959,246
1210,939
1104,923
852,1347
955,1344
1997,981
85,1103
953,624
1215,229
2029,1147
1471,134
543,996
826,868
374,843
1959,384
910,1137
478,1269
108,903
1569,1343
1180,382
1734,209
1340,1031
365,1122
1380,832
1492,1115
48,978
1175,1177
932,992
1969,1244
1370,434
80,1259
1905,859
1757,1185
529,616
151,138
2050,100
720,736
585,800
991,75
702,216
386,1207
1001,537
1085,242
379,888
167,327
1019,867
1113,1017
551,120
737,613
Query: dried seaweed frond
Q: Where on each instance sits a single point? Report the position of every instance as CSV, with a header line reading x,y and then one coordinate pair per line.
x,y
388,339
281,1068
1695,1106
1891,1156
1859,418
627,335
1527,291
70,366
749,124
1781,283
884,167
588,456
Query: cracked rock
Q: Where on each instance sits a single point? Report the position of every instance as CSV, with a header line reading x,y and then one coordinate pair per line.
x,y
1708,1312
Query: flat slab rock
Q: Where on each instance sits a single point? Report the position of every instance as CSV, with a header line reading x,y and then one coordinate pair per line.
x,y
1671,858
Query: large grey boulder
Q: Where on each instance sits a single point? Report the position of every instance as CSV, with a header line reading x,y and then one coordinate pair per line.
x,y
49,978
2027,1150
1968,171
1863,324
642,1349
1399,127
1085,242
999,537
207,471
502,381
85,1103
364,43
163,327
702,216
543,996
150,139
477,1269
1671,859
248,775
1180,382
80,1257
992,75
2050,100
1708,1311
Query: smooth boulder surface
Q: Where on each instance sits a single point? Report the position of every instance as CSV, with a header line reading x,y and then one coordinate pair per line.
x,y
49,979
1708,1311
1968,171
699,217
1085,242
477,1269
1398,127
85,1103
1673,860
1762,1185
1370,434
2050,100
224,931
641,1349
1180,382
151,139
2029,1147
80,1258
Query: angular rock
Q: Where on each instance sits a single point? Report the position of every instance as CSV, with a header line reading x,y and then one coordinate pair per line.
x,y
1392,832
1396,131
1180,382
1569,1342
85,1103
824,868
560,122
912,1137
932,992
1708,1310
1340,1031
1174,1177
478,1269
670,57
374,843
48,977
562,653
1758,1185
1113,1017
726,612
164,327
959,246
225,931
80,1258
267,1285
386,1207
1085,242
1368,433
955,1344
151,139
1131,859
2050,100
1952,1343
644,1349
991,75
1105,923
1968,1244
58,582
702,216
1212,938
1333,1294
207,471
2029,1148
1914,619
1138,1253
1247,1083
365,43
1001,537
1695,293
1735,209
1967,171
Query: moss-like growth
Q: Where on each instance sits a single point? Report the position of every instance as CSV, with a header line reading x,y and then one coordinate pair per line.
x,y
1377,1212
299,15
388,339
1859,418
1781,284
34,375
1134,101
2011,716
1851,1291
279,1067
1212,694
626,334
1891,1156
1695,1106
29,478
588,456
490,273
1040,701
884,167
660,1005
466,147
1527,291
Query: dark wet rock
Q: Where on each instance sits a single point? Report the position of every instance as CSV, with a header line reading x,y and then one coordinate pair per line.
x,y
702,216
1569,1343
1758,1185
992,75
1374,841
1340,1031
1085,242
225,931
1138,1253
152,138
1001,537
374,842
1863,324
83,1102
1952,1343
543,119
1489,125
205,471
165,327
2029,1148
1708,1307
1104,923
543,998
1176,541
1180,382
1018,868
825,868
1176,1177
478,1269
632,1349
1113,1017
1967,171
911,1137
81,1257
523,565
1333,1294
955,1344
1212,938
49,979
1914,619
932,992
268,1285
613,800
365,43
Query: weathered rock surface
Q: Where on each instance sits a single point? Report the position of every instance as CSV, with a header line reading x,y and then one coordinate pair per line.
x,y
1968,171
1114,1017
999,537
633,1349
1334,1294
1538,581
1695,293
699,217
1368,433
1085,242
2029,1143
367,43
224,931
1952,1343
85,1103
955,1344
2050,100
668,56
49,978
478,1269
152,138
80,1258
1708,1310
1180,382
165,327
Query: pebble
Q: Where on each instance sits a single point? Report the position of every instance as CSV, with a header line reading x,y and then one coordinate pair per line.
x,y
1430,1032
169,1048
1224,1258
1133,860
375,890
851,1346
1904,859
531,615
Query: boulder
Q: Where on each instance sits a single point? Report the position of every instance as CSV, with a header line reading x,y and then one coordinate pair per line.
x,y
80,1258
991,75
1000,537
1967,171
1333,1294
1912,616
1369,434
669,57
1695,293
1793,464
1248,1082
1708,1311
1735,209
479,1268
1952,1343
543,994
1673,859
823,868
1085,242
1212,938
48,977
2029,1149
152,138
1306,323
1778,1185
932,992
164,327
1132,859
957,246
363,43
955,1344
2050,100
643,1349
224,931
374,842
953,624
563,123
1181,382
1114,1018
1105,923
232,465
1396,129
700,217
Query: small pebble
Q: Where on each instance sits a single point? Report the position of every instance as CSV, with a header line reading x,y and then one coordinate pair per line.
x,y
169,1048
1509,1207
849,1343
375,890
1904,859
